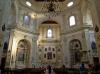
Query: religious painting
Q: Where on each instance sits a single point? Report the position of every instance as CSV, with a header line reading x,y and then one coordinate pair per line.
x,y
21,56
23,51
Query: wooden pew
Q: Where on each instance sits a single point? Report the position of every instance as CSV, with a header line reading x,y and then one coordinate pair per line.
x,y
24,71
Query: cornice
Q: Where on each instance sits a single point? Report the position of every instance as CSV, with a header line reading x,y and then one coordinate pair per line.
x,y
25,30
49,41
77,30
72,31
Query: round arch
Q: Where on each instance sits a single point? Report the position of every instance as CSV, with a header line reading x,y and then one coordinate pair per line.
x,y
75,47
23,53
48,24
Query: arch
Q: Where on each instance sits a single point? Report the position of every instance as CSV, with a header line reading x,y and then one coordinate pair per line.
x,y
23,52
75,47
49,22
40,22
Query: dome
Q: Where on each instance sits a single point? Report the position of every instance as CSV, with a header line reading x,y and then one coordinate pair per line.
x,y
50,5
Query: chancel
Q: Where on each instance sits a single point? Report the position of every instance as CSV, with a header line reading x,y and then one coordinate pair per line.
x,y
61,34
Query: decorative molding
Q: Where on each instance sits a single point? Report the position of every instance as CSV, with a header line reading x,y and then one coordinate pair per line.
x,y
51,41
25,30
72,31
76,5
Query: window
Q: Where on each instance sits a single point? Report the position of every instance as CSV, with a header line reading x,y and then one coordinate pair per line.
x,y
72,20
28,3
70,4
26,20
49,33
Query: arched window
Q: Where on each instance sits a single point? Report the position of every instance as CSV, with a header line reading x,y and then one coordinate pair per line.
x,y
72,20
26,20
49,33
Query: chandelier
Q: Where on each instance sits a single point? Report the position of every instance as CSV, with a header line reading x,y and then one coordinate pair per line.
x,y
53,7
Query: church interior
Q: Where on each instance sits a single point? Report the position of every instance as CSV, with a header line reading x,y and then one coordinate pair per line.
x,y
37,33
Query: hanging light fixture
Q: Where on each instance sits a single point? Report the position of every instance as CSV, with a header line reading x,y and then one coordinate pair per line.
x,y
53,7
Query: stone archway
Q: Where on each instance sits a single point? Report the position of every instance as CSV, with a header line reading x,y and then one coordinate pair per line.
x,y
49,43
75,47
23,53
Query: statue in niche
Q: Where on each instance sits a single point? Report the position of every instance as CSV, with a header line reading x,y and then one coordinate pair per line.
x,y
96,28
5,47
3,27
93,46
